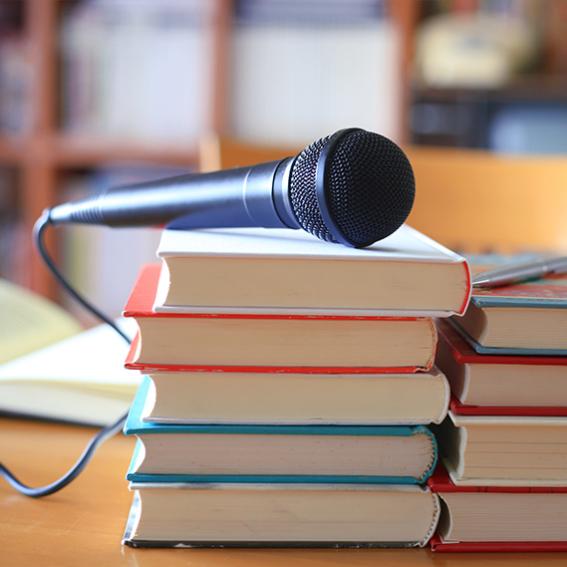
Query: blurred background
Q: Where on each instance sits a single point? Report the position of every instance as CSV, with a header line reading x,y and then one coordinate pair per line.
x,y
102,92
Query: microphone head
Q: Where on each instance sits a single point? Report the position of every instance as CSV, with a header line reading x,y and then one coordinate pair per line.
x,y
353,187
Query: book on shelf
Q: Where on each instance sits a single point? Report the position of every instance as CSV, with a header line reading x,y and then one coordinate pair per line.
x,y
101,46
315,44
499,519
216,340
528,318
280,515
16,75
501,384
174,453
504,450
298,398
294,272
15,241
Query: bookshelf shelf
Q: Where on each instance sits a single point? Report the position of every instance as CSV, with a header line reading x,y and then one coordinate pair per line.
x,y
45,152
11,150
64,151
80,152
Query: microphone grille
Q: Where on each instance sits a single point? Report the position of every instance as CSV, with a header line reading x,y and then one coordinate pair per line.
x,y
369,188
302,191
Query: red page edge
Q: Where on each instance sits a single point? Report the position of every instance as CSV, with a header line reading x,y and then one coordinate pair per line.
x,y
529,411
439,546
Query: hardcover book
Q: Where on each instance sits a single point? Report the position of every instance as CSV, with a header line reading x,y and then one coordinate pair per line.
x,y
260,271
484,384
238,341
504,450
293,398
280,515
528,318
481,518
172,453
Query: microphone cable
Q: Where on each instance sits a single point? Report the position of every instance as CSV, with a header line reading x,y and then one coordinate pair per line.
x,y
105,433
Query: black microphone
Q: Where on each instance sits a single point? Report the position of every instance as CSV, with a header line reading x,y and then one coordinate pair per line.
x,y
353,187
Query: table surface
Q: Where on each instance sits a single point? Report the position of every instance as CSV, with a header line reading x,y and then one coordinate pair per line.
x,y
83,524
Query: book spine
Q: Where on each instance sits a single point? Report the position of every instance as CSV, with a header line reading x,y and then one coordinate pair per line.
x,y
423,430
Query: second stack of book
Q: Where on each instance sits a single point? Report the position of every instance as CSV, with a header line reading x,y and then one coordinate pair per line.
x,y
288,385
504,442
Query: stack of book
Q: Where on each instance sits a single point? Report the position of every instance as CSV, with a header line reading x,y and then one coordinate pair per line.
x,y
504,443
288,384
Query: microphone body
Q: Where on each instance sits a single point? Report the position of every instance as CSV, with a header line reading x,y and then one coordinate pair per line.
x,y
353,187
254,196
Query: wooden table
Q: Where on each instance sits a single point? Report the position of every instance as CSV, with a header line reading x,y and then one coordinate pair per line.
x,y
83,524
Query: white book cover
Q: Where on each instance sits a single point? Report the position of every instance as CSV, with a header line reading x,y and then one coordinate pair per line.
x,y
404,245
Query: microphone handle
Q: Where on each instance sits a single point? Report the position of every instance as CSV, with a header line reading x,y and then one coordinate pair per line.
x,y
242,197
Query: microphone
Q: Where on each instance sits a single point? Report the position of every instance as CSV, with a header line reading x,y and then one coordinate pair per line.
x,y
353,187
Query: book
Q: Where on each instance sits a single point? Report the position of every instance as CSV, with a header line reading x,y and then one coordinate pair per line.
x,y
100,43
504,450
213,340
528,318
291,271
30,322
265,105
296,398
15,243
480,518
57,383
173,453
280,515
517,385
16,75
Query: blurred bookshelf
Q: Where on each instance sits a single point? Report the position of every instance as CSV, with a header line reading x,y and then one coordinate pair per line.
x,y
275,72
39,152
525,116
491,75
42,151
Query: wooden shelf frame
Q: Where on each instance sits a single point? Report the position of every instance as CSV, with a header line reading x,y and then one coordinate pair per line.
x,y
45,152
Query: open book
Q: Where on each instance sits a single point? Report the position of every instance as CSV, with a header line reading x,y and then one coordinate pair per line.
x,y
80,379
30,322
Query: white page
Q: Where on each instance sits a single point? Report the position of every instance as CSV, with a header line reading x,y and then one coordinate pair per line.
x,y
92,359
